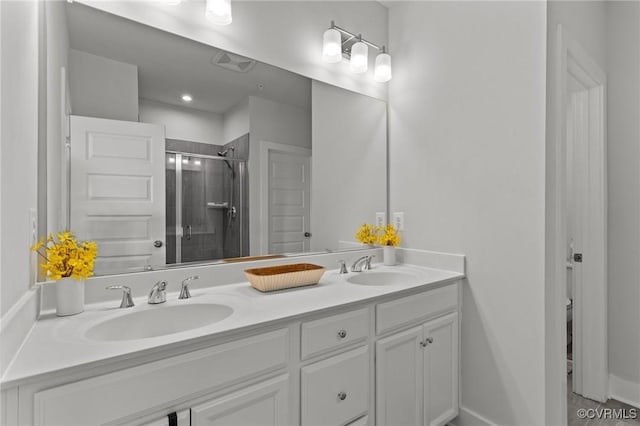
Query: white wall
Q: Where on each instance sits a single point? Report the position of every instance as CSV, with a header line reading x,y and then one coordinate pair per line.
x,y
270,121
183,123
348,165
102,88
236,121
287,34
19,144
467,166
57,59
623,47
19,32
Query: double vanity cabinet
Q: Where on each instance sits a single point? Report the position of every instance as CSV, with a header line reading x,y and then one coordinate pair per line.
x,y
390,360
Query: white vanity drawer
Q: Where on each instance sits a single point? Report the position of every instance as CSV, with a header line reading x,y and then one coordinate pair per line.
x,y
336,391
114,396
397,313
333,332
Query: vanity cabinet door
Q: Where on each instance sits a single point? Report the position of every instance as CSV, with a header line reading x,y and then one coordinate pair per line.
x,y
183,418
417,375
264,404
399,377
441,370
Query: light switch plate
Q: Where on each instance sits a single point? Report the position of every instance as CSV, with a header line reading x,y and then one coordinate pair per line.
x,y
398,220
33,238
381,218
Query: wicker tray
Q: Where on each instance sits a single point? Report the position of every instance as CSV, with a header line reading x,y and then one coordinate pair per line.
x,y
284,276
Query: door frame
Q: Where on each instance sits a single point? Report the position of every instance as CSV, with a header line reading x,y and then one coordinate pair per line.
x,y
572,59
265,148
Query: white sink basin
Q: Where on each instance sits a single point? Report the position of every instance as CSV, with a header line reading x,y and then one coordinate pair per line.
x,y
158,321
383,278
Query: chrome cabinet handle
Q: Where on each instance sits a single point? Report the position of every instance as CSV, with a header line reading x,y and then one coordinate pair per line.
x,y
342,396
189,232
427,341
127,301
342,333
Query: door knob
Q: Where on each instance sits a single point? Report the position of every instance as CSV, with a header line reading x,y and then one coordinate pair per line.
x,y
157,243
577,257
342,396
307,234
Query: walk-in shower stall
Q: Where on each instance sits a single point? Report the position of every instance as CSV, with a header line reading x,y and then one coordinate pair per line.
x,y
206,205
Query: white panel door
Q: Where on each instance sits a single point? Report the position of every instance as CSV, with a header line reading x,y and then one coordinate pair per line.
x,y
117,191
289,202
441,370
264,404
399,379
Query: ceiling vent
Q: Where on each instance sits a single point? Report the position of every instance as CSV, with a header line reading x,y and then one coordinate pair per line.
x,y
233,62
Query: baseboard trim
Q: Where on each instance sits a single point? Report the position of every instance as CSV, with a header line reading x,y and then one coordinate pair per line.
x,y
467,417
624,390
15,326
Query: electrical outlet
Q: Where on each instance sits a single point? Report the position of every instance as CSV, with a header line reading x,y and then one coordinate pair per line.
x,y
381,218
398,221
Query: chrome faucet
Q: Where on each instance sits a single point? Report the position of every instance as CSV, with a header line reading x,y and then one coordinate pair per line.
x,y
127,301
184,289
158,293
343,267
362,264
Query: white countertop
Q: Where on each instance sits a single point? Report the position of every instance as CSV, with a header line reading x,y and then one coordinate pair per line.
x,y
59,344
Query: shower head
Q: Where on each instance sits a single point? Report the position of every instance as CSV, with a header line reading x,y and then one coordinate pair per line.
x,y
226,151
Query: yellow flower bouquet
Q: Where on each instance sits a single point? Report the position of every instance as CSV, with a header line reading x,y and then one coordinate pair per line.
x,y
388,236
66,257
367,234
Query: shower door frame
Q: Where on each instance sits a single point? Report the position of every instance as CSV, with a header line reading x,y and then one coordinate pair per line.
x,y
179,226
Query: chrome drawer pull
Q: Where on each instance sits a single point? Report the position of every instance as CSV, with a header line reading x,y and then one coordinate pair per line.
x,y
342,396
342,333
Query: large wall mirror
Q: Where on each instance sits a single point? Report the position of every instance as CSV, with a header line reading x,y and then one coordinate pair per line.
x,y
166,151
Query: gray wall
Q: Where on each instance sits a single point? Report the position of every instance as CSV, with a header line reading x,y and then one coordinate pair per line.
x,y
623,78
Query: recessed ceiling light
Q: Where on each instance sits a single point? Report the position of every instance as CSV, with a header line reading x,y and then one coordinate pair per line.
x,y
187,98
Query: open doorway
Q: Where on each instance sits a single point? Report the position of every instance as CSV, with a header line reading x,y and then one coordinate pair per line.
x,y
583,219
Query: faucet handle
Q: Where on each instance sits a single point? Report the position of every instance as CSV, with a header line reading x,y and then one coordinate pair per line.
x,y
367,262
343,267
127,301
184,289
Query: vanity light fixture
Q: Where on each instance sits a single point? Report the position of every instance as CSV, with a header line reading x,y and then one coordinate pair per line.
x,y
359,57
382,71
338,42
187,97
219,11
173,2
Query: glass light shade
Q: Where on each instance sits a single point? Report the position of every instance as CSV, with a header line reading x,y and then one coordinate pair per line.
x,y
332,46
359,58
382,71
219,11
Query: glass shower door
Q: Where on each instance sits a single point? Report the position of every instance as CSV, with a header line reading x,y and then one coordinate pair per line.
x,y
203,217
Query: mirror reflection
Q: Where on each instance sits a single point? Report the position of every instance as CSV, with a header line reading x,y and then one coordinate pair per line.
x,y
181,152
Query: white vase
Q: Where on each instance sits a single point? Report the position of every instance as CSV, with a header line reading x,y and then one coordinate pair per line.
x,y
389,255
69,296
